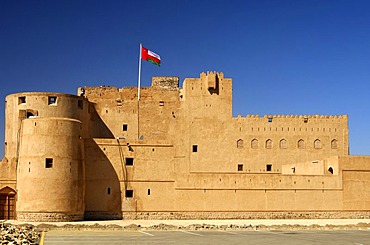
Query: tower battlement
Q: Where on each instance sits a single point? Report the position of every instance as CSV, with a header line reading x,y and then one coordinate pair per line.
x,y
104,154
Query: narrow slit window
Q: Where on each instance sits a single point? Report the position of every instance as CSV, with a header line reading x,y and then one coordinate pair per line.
x,y
48,162
124,127
108,191
129,161
195,148
148,192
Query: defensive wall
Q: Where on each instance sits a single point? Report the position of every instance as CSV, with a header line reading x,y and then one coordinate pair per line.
x,y
176,153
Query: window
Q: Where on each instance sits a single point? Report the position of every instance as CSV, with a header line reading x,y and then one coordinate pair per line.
x,y
240,167
268,167
48,162
161,103
317,144
301,144
148,192
268,144
108,191
80,104
52,100
29,114
195,148
21,100
124,127
129,161
269,119
283,144
254,144
129,193
330,170
305,120
334,144
240,144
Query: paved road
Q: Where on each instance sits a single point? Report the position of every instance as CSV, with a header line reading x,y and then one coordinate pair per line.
x,y
354,237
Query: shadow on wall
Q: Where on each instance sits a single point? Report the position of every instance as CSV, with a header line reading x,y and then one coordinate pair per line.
x,y
98,129
103,192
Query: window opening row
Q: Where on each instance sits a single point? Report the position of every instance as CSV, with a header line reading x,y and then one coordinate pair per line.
x,y
268,167
283,144
130,193
52,100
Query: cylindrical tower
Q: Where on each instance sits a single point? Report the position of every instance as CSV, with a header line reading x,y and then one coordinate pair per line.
x,y
44,142
50,175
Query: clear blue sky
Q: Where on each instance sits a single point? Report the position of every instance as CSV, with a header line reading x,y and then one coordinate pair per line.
x,y
285,57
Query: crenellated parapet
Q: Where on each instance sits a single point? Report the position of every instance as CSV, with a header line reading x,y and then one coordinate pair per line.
x,y
212,79
295,116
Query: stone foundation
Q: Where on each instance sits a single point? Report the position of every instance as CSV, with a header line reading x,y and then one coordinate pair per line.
x,y
102,215
49,217
245,215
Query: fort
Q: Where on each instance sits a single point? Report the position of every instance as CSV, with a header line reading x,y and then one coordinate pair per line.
x,y
177,153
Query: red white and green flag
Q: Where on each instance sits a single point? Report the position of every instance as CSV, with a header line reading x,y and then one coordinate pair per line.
x,y
150,56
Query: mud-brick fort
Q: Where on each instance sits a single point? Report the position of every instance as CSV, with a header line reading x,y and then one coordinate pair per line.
x,y
175,153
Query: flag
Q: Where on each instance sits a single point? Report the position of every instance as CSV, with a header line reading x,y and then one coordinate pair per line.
x,y
150,56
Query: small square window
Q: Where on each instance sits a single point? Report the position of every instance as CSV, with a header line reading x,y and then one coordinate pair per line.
x,y
129,193
21,100
240,167
129,161
161,103
124,127
80,104
305,120
195,148
269,119
52,100
268,167
48,162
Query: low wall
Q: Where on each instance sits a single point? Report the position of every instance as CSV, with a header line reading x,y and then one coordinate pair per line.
x,y
245,215
49,217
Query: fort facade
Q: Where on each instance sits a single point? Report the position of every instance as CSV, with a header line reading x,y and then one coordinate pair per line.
x,y
176,153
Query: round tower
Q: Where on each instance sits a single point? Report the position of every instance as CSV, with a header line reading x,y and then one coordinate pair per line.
x,y
50,177
46,141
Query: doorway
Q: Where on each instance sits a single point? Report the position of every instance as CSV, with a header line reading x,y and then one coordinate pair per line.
x,y
7,203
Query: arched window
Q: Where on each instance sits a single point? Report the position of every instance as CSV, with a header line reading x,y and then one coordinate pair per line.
x,y
283,144
330,170
239,144
254,144
268,144
301,144
317,144
334,144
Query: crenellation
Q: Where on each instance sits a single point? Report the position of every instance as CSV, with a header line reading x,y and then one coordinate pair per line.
x,y
104,154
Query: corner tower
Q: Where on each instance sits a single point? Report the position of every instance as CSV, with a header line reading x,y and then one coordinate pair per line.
x,y
46,134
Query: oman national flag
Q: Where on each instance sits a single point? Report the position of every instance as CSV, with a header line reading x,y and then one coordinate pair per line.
x,y
150,56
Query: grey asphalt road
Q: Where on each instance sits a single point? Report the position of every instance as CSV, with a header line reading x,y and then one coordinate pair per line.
x,y
354,237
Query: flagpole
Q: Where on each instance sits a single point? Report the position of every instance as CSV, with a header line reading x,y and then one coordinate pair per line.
x,y
138,81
